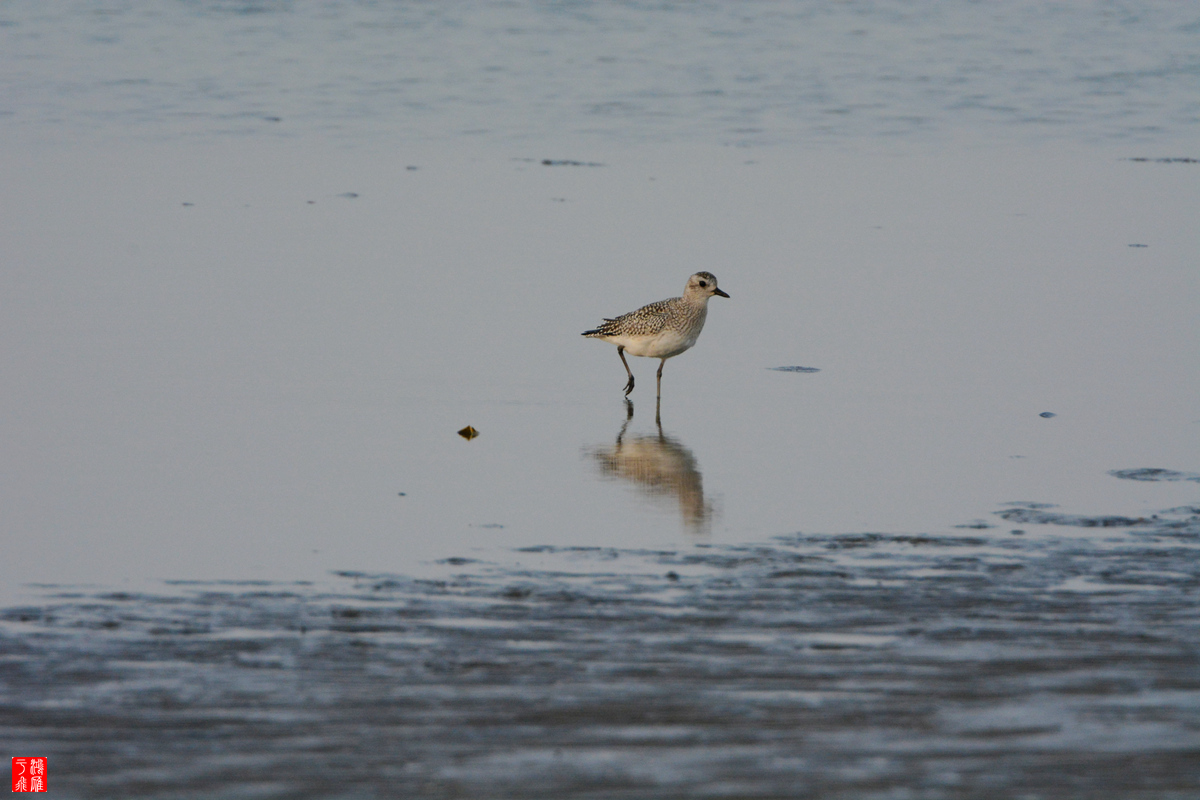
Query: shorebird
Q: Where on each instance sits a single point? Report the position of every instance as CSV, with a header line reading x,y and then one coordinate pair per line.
x,y
663,329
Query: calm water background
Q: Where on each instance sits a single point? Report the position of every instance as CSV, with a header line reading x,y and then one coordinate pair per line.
x,y
800,74
261,260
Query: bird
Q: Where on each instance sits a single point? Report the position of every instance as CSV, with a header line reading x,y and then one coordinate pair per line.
x,y
661,330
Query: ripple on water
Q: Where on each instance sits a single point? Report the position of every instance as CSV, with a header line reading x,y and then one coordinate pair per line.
x,y
858,665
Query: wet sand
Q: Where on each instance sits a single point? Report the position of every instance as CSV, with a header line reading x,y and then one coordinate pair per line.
x,y
988,663
221,366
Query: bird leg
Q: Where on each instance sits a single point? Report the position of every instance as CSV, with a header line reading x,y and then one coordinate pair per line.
x,y
628,419
628,386
661,364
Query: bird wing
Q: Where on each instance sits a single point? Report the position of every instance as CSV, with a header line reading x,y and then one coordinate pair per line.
x,y
646,321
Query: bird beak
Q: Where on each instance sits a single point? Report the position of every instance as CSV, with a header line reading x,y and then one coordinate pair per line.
x,y
719,292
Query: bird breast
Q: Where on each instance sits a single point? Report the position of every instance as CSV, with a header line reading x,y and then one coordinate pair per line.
x,y
668,343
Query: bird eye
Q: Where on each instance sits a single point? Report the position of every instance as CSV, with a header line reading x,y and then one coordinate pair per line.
x,y
703,284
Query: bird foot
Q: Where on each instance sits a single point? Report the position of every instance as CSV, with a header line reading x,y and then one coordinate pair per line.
x,y
629,386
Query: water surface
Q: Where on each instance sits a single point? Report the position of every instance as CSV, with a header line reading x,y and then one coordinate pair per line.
x,y
750,73
860,666
916,516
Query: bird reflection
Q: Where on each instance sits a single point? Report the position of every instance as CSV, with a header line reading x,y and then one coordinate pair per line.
x,y
661,467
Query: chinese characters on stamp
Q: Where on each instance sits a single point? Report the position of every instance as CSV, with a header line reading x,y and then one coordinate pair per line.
x,y
29,774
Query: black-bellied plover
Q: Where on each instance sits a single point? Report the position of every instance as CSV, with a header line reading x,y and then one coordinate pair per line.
x,y
663,329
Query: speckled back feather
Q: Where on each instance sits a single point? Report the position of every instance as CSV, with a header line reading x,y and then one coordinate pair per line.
x,y
646,321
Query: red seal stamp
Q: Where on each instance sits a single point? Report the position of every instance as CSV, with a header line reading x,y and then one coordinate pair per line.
x,y
29,773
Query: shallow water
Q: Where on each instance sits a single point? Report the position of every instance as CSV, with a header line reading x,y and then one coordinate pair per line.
x,y
267,382
263,260
750,73
980,664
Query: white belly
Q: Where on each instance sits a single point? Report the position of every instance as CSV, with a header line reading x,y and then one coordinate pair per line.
x,y
662,345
